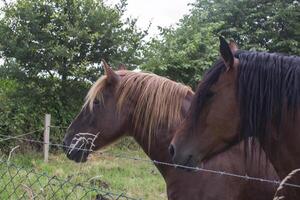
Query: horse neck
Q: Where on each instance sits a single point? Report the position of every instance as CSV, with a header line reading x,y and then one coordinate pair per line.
x,y
160,143
158,147
282,147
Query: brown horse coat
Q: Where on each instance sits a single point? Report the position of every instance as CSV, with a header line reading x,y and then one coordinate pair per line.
x,y
149,108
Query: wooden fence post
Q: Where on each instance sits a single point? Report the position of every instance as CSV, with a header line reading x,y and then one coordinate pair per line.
x,y
46,137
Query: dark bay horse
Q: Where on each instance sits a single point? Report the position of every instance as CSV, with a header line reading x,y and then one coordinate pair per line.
x,y
245,94
148,108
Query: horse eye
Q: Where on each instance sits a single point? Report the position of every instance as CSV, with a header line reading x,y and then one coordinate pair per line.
x,y
209,94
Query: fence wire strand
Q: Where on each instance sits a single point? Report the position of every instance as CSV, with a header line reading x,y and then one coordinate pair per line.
x,y
196,169
22,183
18,136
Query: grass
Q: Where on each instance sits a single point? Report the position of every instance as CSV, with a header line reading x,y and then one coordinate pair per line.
x,y
67,179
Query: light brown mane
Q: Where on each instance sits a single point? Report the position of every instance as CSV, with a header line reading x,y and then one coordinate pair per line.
x,y
157,101
95,93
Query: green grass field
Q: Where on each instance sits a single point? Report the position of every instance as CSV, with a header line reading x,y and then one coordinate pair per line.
x,y
66,179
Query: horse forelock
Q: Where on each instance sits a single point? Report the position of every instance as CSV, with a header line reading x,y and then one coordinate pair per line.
x,y
95,93
203,90
156,101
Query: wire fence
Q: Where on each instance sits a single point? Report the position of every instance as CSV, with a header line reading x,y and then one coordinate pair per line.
x,y
128,157
22,183
19,182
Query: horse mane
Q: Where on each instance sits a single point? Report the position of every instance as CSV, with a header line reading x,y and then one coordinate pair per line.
x,y
95,93
156,101
265,83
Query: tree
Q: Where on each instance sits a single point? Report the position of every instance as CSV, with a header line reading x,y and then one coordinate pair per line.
x,y
268,25
52,50
185,52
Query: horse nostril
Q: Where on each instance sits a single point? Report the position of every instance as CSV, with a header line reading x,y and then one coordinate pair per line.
x,y
172,150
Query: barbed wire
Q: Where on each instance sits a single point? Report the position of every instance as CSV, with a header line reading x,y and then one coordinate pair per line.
x,y
18,136
195,169
199,169
59,127
29,133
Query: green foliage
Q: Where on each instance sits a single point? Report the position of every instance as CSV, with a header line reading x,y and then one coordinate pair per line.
x,y
185,52
140,180
259,25
52,49
51,52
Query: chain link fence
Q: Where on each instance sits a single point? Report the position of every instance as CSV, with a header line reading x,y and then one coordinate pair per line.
x,y
24,183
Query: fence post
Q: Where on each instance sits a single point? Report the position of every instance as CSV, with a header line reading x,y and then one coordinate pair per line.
x,y
46,137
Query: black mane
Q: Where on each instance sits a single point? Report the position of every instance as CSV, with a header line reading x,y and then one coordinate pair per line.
x,y
203,91
265,83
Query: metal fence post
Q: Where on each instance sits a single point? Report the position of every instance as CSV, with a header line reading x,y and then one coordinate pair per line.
x,y
46,137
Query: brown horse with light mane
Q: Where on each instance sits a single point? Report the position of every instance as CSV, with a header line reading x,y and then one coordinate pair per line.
x,y
245,94
148,108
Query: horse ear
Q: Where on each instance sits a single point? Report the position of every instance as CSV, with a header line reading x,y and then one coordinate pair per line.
x,y
122,67
112,77
226,53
